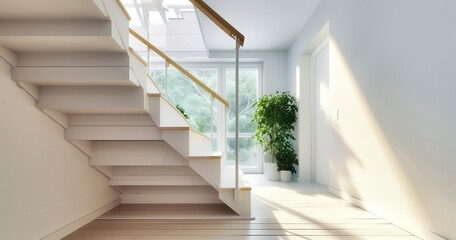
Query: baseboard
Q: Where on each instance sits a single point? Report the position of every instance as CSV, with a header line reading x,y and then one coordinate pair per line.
x,y
412,228
64,231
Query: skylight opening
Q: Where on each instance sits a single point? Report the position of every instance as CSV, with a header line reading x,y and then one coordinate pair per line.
x,y
171,25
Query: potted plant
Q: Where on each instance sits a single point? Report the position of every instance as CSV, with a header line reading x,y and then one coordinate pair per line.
x,y
286,161
274,117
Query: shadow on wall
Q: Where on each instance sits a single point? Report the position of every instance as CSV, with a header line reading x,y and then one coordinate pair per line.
x,y
340,172
393,146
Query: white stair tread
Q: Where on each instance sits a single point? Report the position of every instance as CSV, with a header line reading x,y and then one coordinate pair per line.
x,y
211,155
182,180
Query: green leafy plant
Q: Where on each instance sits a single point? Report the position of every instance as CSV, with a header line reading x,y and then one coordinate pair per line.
x,y
182,110
275,116
286,158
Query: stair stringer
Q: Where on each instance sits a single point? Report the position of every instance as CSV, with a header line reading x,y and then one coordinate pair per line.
x,y
165,114
241,205
196,148
207,168
177,139
120,22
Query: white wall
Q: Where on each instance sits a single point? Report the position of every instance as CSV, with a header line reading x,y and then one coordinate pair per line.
x,y
274,66
45,182
393,74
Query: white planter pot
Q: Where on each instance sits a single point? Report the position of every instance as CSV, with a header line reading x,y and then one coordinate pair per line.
x,y
285,176
270,170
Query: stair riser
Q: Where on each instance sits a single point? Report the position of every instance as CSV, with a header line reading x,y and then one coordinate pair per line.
x,y
62,10
169,198
93,100
75,76
49,28
135,153
169,180
152,170
73,59
167,190
110,120
114,133
60,36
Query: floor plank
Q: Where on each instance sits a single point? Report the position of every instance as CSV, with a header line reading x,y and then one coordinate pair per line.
x,y
288,211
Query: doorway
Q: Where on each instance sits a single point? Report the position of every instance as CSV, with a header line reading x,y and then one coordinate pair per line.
x,y
320,113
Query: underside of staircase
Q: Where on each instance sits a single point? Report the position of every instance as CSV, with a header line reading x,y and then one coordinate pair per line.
x,y
73,57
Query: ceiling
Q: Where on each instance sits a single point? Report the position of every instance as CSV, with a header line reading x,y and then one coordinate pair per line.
x,y
266,24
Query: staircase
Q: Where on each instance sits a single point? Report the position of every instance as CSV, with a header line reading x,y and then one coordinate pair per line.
x,y
73,57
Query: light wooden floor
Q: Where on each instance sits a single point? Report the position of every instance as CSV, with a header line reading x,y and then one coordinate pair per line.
x,y
282,211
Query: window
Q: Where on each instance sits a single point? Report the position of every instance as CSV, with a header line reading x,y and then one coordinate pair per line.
x,y
188,96
197,104
249,78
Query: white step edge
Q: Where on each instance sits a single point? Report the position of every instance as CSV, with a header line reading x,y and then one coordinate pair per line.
x,y
182,180
113,133
178,198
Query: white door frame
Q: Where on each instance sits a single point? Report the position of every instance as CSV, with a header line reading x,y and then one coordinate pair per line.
x,y
313,101
305,101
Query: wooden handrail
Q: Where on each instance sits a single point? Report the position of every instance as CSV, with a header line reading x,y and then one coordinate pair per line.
x,y
124,10
179,67
218,20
